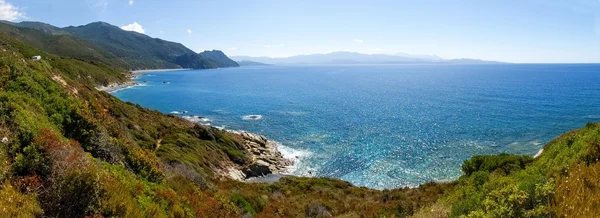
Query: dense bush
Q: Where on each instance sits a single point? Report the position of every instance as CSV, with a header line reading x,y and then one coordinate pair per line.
x,y
504,162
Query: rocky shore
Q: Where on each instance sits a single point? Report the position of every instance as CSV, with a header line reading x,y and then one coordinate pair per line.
x,y
267,163
118,86
266,159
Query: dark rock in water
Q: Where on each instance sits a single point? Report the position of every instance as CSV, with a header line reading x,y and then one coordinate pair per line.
x,y
252,117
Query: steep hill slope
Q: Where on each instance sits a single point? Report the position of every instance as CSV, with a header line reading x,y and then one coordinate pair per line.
x,y
63,44
142,51
219,58
134,50
44,27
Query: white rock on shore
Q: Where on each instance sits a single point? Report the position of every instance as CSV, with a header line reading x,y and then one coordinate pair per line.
x,y
117,86
538,153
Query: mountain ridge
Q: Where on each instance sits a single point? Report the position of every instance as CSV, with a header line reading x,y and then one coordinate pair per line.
x,y
343,57
137,50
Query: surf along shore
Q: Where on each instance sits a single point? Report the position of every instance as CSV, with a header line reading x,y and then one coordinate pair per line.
x,y
132,75
267,162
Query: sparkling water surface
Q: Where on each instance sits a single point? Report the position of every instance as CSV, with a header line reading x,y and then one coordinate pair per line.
x,y
384,126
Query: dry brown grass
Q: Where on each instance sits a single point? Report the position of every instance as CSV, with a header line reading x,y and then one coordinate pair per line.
x,y
578,194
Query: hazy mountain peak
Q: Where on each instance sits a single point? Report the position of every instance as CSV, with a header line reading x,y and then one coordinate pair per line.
x,y
345,57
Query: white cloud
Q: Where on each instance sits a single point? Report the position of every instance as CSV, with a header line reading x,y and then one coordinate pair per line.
x,y
130,2
358,41
134,27
162,32
232,49
281,45
189,31
10,12
267,46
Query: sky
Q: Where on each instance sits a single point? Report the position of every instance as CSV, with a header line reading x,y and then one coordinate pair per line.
x,y
520,31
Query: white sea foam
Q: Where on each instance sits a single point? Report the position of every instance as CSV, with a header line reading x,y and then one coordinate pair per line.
x,y
119,87
197,119
252,117
219,127
296,156
175,112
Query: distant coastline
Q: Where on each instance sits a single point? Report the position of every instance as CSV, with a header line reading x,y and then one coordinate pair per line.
x,y
133,74
157,70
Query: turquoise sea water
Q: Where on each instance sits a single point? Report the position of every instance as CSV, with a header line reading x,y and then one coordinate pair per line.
x,y
385,126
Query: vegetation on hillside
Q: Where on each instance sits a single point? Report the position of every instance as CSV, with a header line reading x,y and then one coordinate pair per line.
x,y
142,51
559,183
218,58
73,151
66,45
104,42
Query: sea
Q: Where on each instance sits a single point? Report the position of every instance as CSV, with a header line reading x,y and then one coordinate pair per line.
x,y
383,126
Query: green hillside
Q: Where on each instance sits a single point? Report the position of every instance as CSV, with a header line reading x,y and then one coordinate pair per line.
x,y
219,58
133,50
63,44
43,27
73,151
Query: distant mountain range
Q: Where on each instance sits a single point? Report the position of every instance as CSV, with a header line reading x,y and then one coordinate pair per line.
x,y
358,58
250,63
108,43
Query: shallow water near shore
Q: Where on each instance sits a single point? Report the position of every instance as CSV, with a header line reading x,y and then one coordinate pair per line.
x,y
384,126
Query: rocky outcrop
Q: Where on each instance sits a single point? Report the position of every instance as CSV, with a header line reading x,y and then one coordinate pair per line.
x,y
112,87
266,159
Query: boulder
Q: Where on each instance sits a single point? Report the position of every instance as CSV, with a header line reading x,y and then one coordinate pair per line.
x,y
258,168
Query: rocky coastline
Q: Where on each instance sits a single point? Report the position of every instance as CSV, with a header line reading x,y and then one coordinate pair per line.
x,y
113,87
266,160
267,163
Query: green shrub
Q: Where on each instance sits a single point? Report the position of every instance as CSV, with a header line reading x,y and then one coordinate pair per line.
x,y
251,205
32,161
76,194
489,163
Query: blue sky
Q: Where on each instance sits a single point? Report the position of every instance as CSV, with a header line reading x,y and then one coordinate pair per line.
x,y
508,30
